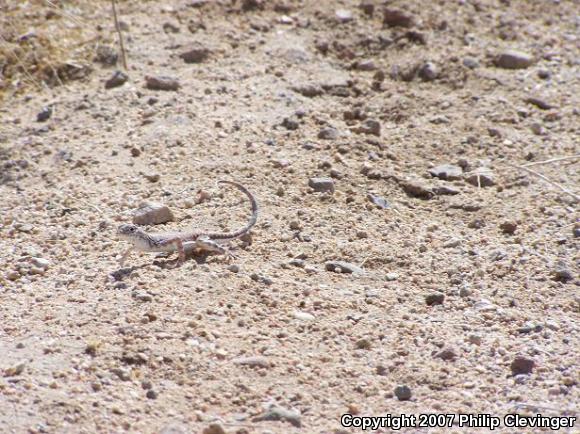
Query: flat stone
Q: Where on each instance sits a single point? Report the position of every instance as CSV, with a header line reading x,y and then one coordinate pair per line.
x,y
214,428
321,184
303,316
447,172
277,413
343,267
448,354
417,188
117,79
309,90
161,83
397,18
252,362
195,55
482,176
512,59
150,213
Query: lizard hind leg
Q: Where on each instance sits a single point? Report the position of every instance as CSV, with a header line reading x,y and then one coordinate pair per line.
x,y
210,246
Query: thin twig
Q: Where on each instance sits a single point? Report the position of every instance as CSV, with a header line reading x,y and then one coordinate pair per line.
x,y
118,28
552,160
548,180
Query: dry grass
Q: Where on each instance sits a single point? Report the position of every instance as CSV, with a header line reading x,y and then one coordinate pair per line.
x,y
46,43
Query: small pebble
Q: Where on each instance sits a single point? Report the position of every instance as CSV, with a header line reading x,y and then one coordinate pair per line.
x,y
403,393
321,185
150,213
522,365
161,83
117,79
434,299
514,60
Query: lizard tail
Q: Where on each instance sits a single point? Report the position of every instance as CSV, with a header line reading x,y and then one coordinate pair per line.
x,y
253,219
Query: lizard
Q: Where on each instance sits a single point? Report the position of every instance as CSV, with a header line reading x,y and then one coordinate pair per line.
x,y
181,241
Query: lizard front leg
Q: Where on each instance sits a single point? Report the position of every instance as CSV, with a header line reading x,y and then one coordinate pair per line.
x,y
125,256
178,243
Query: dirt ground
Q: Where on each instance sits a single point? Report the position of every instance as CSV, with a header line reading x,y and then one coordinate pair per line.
x,y
463,295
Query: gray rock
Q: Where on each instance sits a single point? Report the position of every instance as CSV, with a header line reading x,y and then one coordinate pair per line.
x,y
321,184
343,267
370,126
447,172
403,393
428,71
328,133
522,365
143,296
277,413
161,83
378,201
366,65
309,90
40,262
481,176
117,79
540,103
252,362
470,62
434,299
150,213
514,60
417,188
448,190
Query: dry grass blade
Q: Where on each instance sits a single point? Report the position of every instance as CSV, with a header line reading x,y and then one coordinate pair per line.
x,y
64,14
118,28
548,180
552,160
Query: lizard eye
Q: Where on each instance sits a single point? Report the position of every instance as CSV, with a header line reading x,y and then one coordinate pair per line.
x,y
132,229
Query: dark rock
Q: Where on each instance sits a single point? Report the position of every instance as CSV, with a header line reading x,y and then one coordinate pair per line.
x,y
161,83
370,126
403,393
540,103
434,299
290,124
447,172
563,274
195,55
522,365
44,114
214,428
252,362
321,184
448,354
397,18
446,190
482,176
514,60
117,79
508,227
368,7
343,267
328,133
470,62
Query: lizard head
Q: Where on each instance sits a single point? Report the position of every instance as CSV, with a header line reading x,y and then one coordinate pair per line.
x,y
129,233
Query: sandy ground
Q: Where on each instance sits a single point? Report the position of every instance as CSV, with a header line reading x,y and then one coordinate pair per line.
x,y
466,290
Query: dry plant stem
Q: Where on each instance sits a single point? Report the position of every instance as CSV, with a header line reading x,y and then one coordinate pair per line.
x,y
118,28
552,160
548,180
